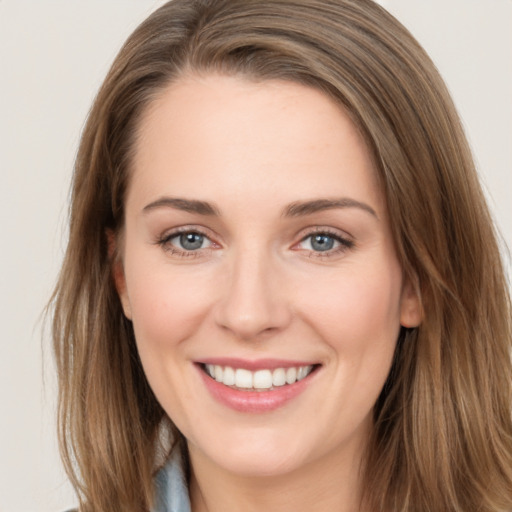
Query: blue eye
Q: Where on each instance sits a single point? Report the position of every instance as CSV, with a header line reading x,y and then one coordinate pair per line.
x,y
322,242
191,241
188,241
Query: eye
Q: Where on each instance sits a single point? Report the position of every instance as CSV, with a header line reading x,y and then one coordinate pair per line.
x,y
321,242
324,242
190,241
185,243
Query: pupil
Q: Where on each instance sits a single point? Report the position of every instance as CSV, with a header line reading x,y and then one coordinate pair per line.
x,y
191,241
322,243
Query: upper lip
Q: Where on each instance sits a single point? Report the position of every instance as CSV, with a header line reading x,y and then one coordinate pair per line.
x,y
254,365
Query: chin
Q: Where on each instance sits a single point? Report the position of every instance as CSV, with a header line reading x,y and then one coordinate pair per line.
x,y
257,454
251,465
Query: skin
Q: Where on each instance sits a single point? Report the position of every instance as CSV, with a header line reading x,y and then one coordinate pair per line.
x,y
257,288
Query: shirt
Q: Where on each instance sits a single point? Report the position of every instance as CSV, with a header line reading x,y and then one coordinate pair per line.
x,y
171,486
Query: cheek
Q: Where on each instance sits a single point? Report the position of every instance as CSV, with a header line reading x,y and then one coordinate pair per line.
x,y
167,305
357,310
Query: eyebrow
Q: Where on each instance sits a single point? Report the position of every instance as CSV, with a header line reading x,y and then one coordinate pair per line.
x,y
295,209
302,208
187,205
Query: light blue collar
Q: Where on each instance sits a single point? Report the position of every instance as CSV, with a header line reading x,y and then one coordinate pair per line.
x,y
171,486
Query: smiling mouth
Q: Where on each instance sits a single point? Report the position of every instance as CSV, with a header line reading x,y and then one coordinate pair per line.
x,y
260,380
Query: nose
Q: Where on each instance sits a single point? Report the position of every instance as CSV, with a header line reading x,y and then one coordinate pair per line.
x,y
253,301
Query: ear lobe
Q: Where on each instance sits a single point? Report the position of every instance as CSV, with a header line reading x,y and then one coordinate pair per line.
x,y
411,310
117,270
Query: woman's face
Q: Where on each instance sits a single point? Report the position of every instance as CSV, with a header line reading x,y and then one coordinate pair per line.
x,y
257,251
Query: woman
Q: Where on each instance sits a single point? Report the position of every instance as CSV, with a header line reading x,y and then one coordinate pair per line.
x,y
292,296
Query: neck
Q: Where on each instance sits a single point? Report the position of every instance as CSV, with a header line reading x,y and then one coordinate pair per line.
x,y
332,482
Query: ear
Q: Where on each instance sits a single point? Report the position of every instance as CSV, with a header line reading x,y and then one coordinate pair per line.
x,y
117,270
411,309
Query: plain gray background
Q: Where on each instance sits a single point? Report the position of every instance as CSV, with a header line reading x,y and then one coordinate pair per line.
x,y
53,57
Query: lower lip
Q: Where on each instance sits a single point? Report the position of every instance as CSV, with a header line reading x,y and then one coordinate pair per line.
x,y
254,401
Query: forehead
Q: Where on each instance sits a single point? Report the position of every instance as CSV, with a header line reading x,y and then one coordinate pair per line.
x,y
232,134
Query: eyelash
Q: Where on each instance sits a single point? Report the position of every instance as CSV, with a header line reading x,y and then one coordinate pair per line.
x,y
164,242
344,243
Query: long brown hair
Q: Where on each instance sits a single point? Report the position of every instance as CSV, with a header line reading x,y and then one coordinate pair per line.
x,y
443,432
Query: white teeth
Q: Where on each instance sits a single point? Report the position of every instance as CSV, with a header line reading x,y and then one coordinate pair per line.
x,y
291,375
260,379
229,376
303,371
243,378
279,377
